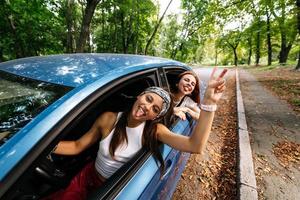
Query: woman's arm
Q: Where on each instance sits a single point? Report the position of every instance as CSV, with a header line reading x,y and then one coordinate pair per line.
x,y
100,126
197,141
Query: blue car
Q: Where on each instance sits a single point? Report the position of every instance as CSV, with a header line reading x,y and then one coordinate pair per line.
x,y
50,98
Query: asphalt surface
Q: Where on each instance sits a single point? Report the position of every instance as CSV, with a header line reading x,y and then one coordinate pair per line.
x,y
270,121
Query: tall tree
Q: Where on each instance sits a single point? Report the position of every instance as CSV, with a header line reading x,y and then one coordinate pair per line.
x,y
70,27
268,15
232,40
258,40
280,10
193,20
85,25
156,28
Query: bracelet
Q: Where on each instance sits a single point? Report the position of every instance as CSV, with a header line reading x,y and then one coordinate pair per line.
x,y
208,108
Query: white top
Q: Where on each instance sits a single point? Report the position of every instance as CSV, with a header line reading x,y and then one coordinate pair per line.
x,y
187,102
105,164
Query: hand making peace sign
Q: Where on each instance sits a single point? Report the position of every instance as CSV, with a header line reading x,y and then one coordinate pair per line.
x,y
215,88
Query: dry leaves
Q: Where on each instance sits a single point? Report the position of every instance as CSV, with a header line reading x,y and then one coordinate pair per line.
x,y
288,153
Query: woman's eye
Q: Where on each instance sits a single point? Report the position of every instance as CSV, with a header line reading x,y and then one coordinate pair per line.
x,y
156,110
193,84
149,99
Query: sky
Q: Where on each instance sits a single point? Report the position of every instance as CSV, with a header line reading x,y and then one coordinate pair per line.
x,y
174,7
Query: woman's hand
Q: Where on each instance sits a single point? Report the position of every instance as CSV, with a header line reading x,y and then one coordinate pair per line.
x,y
180,112
215,88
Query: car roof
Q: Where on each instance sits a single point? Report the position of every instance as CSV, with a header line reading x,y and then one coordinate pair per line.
x,y
78,69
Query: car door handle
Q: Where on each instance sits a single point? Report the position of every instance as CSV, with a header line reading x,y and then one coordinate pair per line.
x,y
168,168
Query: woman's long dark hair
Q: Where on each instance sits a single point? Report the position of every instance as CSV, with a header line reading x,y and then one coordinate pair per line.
x,y
150,141
195,94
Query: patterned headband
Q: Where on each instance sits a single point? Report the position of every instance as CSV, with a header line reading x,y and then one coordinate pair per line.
x,y
164,95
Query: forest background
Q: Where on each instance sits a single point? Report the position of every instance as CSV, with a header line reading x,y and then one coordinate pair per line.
x,y
266,32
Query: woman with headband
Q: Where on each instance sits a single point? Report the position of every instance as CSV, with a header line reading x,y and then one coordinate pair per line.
x,y
122,135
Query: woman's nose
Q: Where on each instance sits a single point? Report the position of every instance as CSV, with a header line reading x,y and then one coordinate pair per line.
x,y
148,106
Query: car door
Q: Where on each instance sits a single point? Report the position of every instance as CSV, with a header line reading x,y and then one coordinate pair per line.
x,y
147,182
162,187
47,172
140,178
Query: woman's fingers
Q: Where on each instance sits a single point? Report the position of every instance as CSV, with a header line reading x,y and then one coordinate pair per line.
x,y
220,76
222,73
215,83
213,72
223,84
220,90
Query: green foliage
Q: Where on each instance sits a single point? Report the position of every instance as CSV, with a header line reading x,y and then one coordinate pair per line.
x,y
199,35
123,26
30,28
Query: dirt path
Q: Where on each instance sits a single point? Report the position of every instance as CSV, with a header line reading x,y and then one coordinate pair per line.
x,y
274,130
213,175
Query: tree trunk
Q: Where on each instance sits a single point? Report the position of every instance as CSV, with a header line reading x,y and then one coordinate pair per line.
x,y
250,50
85,26
103,29
69,20
216,56
155,29
234,48
115,34
235,56
136,38
298,65
257,50
298,26
285,49
269,39
124,37
89,47
130,36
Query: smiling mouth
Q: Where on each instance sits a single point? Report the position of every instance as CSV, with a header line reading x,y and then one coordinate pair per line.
x,y
187,88
140,112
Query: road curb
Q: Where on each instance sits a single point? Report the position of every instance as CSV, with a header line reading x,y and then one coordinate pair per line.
x,y
246,182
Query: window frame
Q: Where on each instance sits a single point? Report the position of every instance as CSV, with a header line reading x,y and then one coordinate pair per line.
x,y
122,177
51,138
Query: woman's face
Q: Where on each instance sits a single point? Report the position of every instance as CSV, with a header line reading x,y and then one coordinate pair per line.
x,y
187,84
147,106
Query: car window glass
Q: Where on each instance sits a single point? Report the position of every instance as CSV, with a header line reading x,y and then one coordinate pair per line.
x,y
21,100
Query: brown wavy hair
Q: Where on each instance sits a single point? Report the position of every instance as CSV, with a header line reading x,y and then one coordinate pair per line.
x,y
195,95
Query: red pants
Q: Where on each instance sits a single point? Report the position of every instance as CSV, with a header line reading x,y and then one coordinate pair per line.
x,y
84,182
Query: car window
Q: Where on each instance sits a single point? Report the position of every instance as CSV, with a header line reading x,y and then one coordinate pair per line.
x,y
172,79
21,100
51,172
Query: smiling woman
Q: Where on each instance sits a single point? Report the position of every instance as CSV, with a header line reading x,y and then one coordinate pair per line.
x,y
186,93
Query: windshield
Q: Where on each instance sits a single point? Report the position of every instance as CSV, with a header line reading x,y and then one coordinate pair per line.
x,y
21,99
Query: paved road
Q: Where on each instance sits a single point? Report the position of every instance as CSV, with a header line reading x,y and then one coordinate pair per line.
x,y
270,120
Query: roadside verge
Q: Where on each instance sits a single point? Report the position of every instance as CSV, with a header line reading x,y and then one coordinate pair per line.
x,y
246,181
